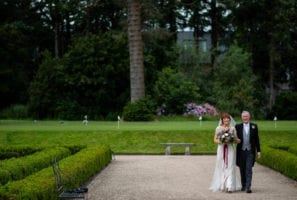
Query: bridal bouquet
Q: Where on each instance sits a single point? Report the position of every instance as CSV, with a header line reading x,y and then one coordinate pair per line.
x,y
227,137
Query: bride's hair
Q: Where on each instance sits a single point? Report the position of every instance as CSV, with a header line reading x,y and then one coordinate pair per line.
x,y
226,115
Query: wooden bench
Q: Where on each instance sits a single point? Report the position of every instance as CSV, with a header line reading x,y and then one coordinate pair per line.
x,y
187,145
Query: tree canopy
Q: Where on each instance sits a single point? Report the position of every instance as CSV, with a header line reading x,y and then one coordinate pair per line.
x,y
65,59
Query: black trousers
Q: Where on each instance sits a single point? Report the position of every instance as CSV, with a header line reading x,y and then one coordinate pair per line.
x,y
246,168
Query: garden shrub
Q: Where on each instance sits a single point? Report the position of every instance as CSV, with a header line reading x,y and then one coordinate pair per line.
x,y
15,112
18,168
141,110
6,155
40,185
68,87
17,151
290,149
74,148
172,91
75,171
293,150
279,160
281,147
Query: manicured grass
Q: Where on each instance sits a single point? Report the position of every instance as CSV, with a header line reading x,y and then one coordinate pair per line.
x,y
25,125
135,137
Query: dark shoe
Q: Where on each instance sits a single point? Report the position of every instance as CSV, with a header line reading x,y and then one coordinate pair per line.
x,y
248,191
243,189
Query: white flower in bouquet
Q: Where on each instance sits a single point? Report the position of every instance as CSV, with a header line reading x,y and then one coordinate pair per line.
x,y
227,137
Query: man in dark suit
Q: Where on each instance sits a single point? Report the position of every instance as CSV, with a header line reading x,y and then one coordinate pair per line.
x,y
246,150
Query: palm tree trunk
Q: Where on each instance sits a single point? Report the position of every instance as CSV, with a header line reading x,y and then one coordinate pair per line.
x,y
136,51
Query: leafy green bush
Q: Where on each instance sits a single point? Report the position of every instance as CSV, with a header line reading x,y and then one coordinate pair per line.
x,y
85,81
6,155
17,151
240,92
112,116
141,110
293,150
285,106
75,170
18,168
172,91
280,160
281,147
68,109
290,149
15,112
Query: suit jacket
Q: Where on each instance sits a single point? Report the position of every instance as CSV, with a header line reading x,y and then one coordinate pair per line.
x,y
254,140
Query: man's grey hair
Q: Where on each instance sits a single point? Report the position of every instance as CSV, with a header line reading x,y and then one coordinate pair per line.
x,y
246,112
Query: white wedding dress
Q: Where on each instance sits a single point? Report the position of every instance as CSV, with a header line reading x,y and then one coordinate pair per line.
x,y
224,177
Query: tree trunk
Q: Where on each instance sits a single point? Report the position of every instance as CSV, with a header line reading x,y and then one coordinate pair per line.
x,y
271,74
56,31
214,31
135,50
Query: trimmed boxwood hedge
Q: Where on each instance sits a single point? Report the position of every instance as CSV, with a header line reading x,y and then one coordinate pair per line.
x,y
75,171
280,159
293,150
7,152
18,168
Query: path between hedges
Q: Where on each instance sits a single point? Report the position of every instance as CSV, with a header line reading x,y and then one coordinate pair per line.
x,y
179,178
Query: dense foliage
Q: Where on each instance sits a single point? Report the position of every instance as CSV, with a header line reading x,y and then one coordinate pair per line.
x,y
284,161
65,59
235,86
140,110
18,168
285,106
92,78
172,91
75,170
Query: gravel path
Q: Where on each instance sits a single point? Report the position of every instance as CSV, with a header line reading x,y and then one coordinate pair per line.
x,y
179,178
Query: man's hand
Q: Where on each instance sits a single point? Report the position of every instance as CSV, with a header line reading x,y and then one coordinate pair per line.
x,y
259,154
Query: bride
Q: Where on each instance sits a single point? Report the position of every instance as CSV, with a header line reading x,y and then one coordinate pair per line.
x,y
224,177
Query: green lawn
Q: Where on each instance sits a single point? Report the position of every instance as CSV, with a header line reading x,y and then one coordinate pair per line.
x,y
25,125
134,137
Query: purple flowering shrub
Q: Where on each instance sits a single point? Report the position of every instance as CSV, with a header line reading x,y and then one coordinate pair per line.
x,y
193,109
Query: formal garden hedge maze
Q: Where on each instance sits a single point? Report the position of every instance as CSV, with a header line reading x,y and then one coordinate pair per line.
x,y
26,172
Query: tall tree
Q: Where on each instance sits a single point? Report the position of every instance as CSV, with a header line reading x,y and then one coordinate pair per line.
x,y
60,17
136,50
101,16
22,36
208,16
217,14
86,80
234,83
196,20
267,33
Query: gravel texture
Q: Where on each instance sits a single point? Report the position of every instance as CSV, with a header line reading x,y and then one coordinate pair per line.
x,y
177,177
